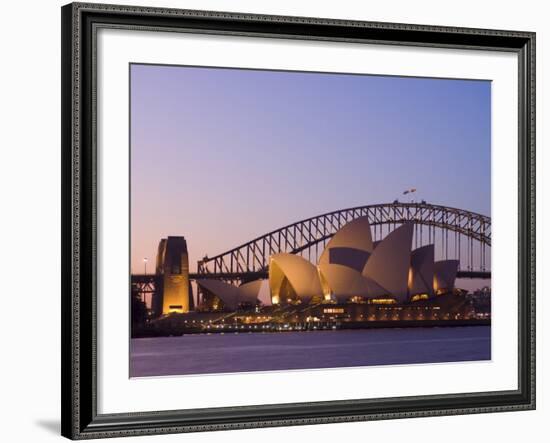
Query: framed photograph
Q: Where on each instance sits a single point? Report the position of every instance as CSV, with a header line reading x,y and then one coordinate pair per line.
x,y
273,221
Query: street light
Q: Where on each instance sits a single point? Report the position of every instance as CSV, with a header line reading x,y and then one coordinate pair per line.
x,y
145,264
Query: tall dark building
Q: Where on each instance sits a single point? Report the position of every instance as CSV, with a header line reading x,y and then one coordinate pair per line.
x,y
172,267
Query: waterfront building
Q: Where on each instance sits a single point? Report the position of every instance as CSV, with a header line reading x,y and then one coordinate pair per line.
x,y
172,266
218,295
351,269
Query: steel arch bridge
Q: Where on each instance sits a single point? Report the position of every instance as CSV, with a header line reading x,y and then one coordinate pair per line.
x,y
456,233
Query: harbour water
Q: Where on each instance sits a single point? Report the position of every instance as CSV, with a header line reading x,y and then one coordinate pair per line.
x,y
224,353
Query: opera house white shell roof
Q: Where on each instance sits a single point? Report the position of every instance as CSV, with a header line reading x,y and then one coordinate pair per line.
x,y
293,270
389,263
227,293
248,292
342,282
351,265
421,274
232,296
445,274
350,246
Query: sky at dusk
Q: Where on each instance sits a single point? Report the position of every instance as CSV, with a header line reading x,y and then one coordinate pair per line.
x,y
222,156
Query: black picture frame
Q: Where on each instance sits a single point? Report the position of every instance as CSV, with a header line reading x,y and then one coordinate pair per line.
x,y
79,176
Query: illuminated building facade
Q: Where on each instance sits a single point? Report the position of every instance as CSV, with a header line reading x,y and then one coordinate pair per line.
x,y
351,269
172,265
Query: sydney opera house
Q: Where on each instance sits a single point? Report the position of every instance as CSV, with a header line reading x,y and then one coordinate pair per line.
x,y
352,269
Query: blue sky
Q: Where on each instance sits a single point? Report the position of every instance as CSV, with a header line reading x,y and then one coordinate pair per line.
x,y
221,156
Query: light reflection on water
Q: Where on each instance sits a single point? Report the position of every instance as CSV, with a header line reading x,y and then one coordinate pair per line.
x,y
215,353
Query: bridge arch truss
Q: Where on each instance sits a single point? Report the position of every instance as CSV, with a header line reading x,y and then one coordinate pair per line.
x,y
456,233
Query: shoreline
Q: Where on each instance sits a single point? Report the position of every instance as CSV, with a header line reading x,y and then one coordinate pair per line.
x,y
274,328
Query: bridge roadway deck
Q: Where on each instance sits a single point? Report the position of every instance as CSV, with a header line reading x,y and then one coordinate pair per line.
x,y
143,278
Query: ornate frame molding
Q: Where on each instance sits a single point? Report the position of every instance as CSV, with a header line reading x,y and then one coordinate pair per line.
x,y
79,391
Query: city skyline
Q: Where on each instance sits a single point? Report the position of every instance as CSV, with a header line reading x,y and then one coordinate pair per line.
x,y
212,144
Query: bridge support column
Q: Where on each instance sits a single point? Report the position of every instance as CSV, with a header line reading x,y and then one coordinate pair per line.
x,y
173,267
